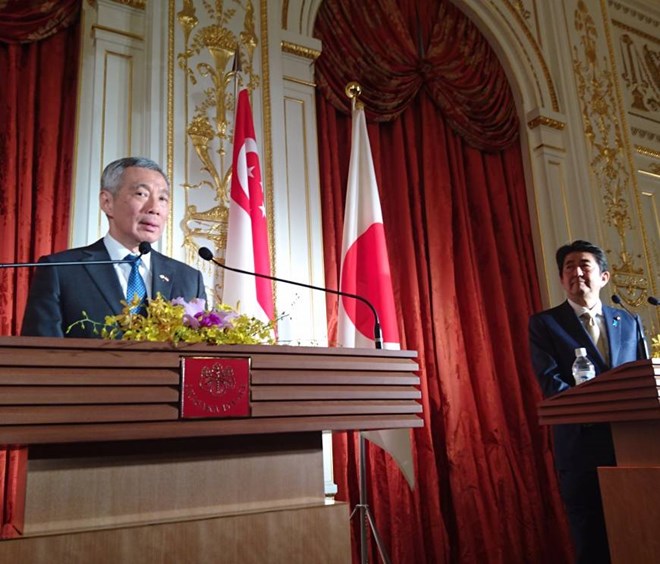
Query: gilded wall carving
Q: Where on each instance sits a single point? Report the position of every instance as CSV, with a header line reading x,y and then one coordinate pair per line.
x,y
609,160
640,56
217,60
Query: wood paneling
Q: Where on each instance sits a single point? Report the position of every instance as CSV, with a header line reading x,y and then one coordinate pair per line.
x,y
71,390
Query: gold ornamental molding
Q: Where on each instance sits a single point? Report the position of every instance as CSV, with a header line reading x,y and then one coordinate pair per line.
x,y
519,7
611,151
635,13
117,31
546,121
635,31
643,134
648,152
137,4
300,50
267,163
518,17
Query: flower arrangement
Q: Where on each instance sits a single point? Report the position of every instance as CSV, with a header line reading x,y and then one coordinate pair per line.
x,y
655,346
181,321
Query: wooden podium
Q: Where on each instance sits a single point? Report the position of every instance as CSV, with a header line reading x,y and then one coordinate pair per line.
x,y
628,397
115,475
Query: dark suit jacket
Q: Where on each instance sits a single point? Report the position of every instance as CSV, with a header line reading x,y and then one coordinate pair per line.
x,y
554,335
59,294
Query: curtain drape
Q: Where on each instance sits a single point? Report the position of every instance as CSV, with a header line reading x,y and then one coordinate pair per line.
x,y
39,69
399,48
39,46
460,244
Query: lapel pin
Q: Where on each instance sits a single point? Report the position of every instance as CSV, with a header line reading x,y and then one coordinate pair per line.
x,y
615,321
163,277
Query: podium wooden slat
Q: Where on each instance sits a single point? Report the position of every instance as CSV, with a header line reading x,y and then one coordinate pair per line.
x,y
75,376
288,408
61,395
58,414
307,392
355,377
136,430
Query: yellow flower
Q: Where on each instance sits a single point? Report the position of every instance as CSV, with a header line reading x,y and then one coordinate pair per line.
x,y
180,321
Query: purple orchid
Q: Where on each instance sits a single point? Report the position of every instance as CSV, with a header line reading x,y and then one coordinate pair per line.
x,y
192,311
220,319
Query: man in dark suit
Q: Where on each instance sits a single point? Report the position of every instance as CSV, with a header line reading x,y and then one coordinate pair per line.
x,y
611,338
134,196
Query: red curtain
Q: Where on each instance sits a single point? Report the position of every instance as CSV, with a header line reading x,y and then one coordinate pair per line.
x,y
39,46
460,243
398,48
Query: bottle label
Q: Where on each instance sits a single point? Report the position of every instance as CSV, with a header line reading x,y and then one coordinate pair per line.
x,y
583,376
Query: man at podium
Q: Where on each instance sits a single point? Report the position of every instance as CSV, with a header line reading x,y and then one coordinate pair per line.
x,y
611,338
135,197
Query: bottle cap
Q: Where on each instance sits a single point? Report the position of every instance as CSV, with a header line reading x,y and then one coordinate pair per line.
x,y
580,352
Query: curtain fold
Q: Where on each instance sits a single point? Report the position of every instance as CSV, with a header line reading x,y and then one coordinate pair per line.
x,y
39,49
396,48
459,237
27,21
37,129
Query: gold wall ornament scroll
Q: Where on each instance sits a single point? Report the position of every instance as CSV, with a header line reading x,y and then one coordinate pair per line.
x,y
641,69
217,62
138,4
604,133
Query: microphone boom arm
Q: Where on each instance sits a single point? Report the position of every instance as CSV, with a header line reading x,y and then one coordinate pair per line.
x,y
207,255
144,249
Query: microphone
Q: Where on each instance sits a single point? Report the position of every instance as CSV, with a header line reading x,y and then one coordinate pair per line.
x,y
642,348
144,248
653,300
206,254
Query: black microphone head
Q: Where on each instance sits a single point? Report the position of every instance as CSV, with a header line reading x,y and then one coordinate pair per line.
x,y
653,300
616,299
205,253
144,248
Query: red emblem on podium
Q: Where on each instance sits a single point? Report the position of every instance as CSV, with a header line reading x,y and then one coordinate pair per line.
x,y
215,387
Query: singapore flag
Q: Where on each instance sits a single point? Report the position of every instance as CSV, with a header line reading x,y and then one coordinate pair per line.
x,y
365,271
247,233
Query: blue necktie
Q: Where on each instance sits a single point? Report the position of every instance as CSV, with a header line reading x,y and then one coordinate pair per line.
x,y
135,283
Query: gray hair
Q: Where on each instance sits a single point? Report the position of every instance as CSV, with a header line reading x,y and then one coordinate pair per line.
x,y
112,174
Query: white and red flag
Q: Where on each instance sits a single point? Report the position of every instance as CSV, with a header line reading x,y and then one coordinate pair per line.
x,y
365,271
247,232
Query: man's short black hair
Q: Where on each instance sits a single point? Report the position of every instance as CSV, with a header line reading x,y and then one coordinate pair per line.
x,y
581,246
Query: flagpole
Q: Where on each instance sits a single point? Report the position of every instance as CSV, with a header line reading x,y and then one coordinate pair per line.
x,y
353,91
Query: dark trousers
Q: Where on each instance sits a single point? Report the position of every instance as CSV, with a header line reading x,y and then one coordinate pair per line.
x,y
584,508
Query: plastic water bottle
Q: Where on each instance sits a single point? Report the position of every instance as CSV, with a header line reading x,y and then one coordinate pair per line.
x,y
583,369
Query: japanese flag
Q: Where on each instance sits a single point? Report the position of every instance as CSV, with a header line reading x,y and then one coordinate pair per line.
x,y
365,271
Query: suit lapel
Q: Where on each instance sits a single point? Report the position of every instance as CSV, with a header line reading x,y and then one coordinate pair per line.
x,y
613,327
104,276
162,277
